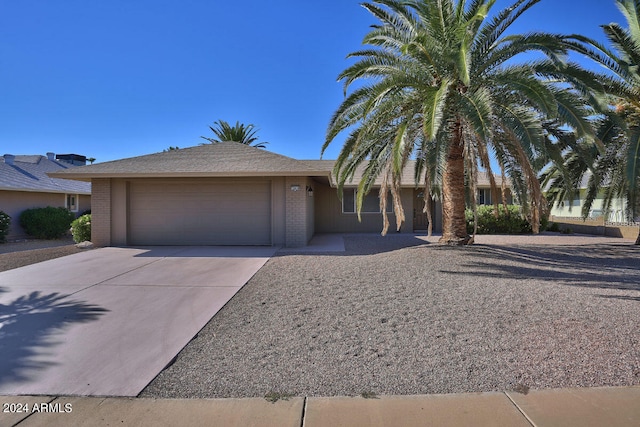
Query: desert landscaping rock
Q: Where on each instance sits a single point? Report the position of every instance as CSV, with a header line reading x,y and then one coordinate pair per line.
x,y
26,252
399,315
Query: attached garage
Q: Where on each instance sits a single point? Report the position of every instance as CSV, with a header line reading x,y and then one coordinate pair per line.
x,y
224,193
202,212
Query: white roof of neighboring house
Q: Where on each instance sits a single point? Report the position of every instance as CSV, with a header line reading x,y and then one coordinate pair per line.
x,y
29,173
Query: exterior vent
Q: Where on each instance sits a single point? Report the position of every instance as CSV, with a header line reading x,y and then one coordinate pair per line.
x,y
9,159
51,156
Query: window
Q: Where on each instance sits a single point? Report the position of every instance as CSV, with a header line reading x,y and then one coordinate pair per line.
x,y
71,202
575,201
484,196
370,204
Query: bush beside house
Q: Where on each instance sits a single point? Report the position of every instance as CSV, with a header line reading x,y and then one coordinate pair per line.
x,y
5,222
81,229
46,223
509,222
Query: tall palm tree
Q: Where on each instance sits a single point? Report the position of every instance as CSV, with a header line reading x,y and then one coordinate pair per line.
x,y
440,84
244,134
614,169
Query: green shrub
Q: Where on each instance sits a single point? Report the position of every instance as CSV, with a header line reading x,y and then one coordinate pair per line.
x,y
511,222
81,228
46,223
544,222
5,221
553,226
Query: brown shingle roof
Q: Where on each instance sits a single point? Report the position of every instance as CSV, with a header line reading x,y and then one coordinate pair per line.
x,y
224,159
408,175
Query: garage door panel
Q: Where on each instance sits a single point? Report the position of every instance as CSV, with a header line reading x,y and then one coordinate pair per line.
x,y
200,213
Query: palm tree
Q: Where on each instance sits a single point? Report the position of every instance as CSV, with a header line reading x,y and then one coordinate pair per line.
x,y
440,84
614,167
244,134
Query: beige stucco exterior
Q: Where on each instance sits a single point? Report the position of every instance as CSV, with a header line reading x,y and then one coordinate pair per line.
x,y
300,207
293,199
291,212
15,202
329,217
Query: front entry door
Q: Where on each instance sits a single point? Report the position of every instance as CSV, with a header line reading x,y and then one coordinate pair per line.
x,y
419,217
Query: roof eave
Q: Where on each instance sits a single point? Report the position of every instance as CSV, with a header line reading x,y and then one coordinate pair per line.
x,y
38,190
89,176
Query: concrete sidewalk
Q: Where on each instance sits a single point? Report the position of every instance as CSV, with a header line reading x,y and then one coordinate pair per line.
x,y
610,407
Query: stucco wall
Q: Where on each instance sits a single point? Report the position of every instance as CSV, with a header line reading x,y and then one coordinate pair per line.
x,y
84,203
278,211
15,202
330,219
573,208
596,226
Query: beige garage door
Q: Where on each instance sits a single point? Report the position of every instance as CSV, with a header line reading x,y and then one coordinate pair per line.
x,y
200,213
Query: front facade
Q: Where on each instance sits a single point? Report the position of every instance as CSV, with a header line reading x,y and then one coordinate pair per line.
x,y
24,184
259,210
229,194
572,206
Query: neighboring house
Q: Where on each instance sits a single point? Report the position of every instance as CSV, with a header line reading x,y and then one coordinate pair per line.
x,y
229,194
24,184
573,208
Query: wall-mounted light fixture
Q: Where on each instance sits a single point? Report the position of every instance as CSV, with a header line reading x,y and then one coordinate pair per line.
x,y
309,191
295,187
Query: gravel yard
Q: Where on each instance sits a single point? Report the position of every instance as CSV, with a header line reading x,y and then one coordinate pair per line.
x,y
21,253
399,315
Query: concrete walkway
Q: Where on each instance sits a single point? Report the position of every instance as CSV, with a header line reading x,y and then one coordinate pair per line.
x,y
107,321
586,407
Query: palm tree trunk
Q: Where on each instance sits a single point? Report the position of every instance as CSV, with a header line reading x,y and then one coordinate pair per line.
x,y
454,226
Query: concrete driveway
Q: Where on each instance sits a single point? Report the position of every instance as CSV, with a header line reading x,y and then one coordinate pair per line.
x,y
105,322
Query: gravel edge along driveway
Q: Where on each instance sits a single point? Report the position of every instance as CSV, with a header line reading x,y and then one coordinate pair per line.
x,y
400,315
26,252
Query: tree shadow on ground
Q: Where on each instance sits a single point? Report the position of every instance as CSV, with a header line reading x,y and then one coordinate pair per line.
x,y
363,244
28,326
611,267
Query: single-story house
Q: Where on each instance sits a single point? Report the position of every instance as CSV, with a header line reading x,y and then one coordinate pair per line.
x,y
24,184
229,194
572,206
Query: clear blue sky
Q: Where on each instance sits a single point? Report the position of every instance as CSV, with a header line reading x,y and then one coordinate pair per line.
x,y
118,78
